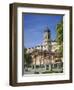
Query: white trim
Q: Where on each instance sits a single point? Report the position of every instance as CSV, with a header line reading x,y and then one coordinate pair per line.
x,y
47,77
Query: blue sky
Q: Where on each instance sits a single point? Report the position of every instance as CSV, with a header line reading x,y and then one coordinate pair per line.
x,y
34,26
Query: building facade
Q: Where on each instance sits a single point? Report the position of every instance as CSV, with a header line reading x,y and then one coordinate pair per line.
x,y
46,55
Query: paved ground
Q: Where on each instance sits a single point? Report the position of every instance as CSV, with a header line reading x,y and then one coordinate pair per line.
x,y
39,70
32,71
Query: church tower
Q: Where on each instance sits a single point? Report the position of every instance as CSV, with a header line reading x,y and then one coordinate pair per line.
x,y
47,39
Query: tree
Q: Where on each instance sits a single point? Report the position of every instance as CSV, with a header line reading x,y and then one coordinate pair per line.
x,y
59,38
27,58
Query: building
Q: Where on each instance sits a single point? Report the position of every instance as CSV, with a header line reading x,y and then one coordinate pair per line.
x,y
47,45
47,55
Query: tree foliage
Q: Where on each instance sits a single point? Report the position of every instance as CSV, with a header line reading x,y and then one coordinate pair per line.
x,y
59,37
27,57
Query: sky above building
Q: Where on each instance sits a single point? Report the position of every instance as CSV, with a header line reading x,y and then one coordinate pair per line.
x,y
34,26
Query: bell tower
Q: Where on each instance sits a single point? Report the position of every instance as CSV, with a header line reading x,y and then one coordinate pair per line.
x,y
47,39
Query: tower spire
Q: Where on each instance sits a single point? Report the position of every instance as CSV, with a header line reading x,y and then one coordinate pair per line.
x,y
46,29
47,38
